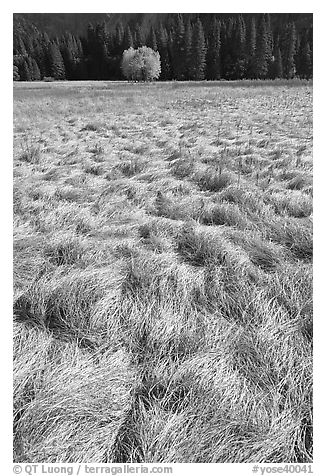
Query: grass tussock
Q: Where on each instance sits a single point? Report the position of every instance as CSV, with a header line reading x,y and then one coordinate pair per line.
x,y
163,275
64,250
93,169
182,167
294,204
132,167
224,214
213,180
158,234
266,255
69,302
298,182
175,207
85,401
249,200
297,237
95,126
31,155
204,248
67,193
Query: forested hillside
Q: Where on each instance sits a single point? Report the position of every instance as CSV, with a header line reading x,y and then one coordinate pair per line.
x,y
191,46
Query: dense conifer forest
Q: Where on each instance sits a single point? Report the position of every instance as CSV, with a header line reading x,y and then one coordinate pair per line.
x,y
191,46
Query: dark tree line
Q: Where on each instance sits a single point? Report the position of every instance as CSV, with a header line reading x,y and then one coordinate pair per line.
x,y
191,47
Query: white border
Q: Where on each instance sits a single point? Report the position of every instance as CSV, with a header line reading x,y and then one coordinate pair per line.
x,y
319,200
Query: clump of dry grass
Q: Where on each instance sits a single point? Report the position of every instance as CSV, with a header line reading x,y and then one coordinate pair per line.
x,y
177,207
250,200
297,237
224,214
292,289
233,194
206,248
93,169
64,250
298,182
67,192
97,150
95,126
212,180
30,151
295,204
264,254
158,234
182,167
65,215
69,302
84,400
132,167
28,254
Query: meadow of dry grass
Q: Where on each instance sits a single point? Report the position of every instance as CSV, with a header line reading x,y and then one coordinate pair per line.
x,y
163,272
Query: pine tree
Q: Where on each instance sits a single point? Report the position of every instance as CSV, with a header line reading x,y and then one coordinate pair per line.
x,y
299,40
36,74
128,41
306,61
152,41
139,37
162,44
56,61
16,76
198,64
276,69
226,48
101,52
24,71
45,42
251,48
270,42
214,51
303,59
90,41
79,48
178,49
270,45
170,48
96,54
81,69
239,48
40,59
104,61
188,50
19,47
289,51
101,33
118,39
223,48
28,42
262,50
278,63
67,51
